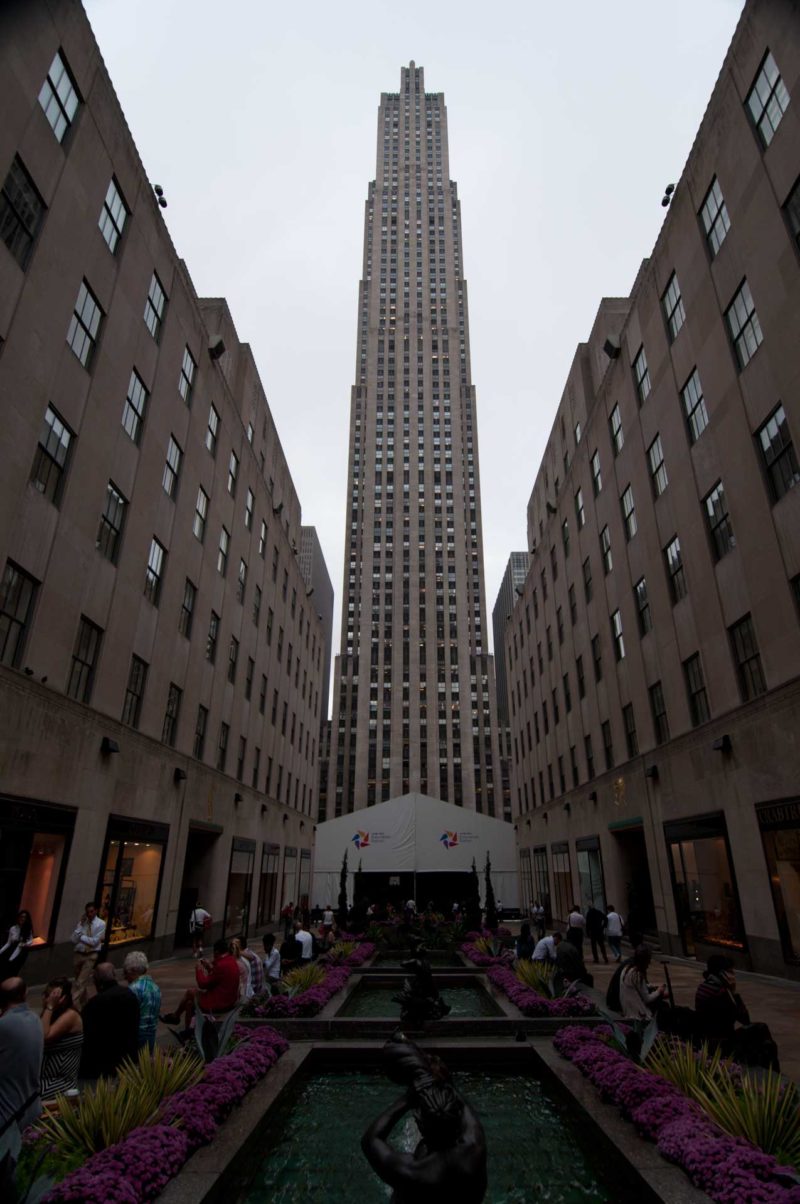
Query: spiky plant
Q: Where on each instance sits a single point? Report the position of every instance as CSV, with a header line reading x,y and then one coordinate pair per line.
x,y
340,952
687,1068
763,1109
303,978
536,975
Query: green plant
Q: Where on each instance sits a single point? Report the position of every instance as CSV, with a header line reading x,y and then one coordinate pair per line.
x,y
109,1111
687,1068
763,1109
338,952
491,906
303,978
536,975
639,1039
492,946
212,1037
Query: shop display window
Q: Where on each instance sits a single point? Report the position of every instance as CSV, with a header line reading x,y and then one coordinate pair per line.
x,y
289,889
34,847
240,886
268,885
541,879
590,874
703,882
562,881
780,832
131,880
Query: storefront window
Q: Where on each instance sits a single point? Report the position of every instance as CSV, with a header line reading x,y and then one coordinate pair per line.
x,y
780,832
562,881
703,882
289,889
240,885
131,879
590,873
305,878
541,880
34,846
525,879
268,885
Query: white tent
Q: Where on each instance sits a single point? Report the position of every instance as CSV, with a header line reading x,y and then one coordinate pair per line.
x,y
417,834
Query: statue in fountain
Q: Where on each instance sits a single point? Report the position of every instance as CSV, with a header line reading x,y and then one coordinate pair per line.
x,y
451,1155
419,999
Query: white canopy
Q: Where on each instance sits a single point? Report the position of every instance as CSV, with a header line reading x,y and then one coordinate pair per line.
x,y
418,834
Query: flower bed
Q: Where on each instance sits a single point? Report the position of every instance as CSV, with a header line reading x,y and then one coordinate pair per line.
x,y
530,1003
729,1169
138,1168
479,958
310,1002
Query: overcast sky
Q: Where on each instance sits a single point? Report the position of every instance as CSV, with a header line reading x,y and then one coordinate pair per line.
x,y
566,121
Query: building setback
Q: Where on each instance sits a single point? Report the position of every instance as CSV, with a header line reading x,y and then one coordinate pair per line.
x,y
413,686
654,655
161,665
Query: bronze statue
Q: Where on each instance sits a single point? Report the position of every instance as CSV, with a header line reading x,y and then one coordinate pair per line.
x,y
419,999
451,1155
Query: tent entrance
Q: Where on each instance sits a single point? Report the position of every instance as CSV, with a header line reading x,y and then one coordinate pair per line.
x,y
442,889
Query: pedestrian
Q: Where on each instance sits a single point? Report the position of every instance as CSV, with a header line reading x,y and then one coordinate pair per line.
x,y
570,968
545,949
148,992
305,940
62,1029
287,915
638,999
614,929
256,970
327,920
576,928
110,1026
21,1048
87,940
272,960
199,920
217,989
595,928
15,951
525,943
242,962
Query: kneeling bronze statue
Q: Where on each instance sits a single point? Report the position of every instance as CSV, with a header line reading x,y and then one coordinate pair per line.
x,y
419,999
451,1155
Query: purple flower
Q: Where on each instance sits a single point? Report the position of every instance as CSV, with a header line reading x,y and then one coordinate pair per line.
x,y
530,1003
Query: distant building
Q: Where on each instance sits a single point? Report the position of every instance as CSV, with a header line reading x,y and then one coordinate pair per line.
x,y
319,593
161,666
510,588
654,654
413,701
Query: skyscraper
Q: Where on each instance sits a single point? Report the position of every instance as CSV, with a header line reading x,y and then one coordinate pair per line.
x,y
414,704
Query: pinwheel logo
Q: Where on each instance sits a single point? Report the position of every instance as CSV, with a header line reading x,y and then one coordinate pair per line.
x,y
449,839
361,840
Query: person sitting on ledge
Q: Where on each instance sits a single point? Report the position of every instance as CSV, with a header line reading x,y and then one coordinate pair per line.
x,y
545,949
217,988
638,999
526,944
719,1008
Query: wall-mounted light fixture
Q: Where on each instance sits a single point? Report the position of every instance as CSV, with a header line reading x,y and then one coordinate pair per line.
x,y
592,796
263,808
237,798
108,746
568,807
652,773
723,745
178,775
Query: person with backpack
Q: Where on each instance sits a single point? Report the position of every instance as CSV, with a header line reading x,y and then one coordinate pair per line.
x,y
199,920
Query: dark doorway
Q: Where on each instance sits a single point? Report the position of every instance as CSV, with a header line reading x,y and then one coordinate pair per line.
x,y
637,907
443,890
196,874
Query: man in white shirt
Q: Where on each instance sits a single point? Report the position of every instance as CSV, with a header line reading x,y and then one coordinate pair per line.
x,y
272,960
305,939
614,926
199,920
87,940
545,950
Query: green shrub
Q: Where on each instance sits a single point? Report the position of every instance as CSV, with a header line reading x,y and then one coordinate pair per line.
x,y
687,1068
340,952
536,975
302,978
763,1109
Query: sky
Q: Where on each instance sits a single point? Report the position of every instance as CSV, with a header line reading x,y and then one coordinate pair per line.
x,y
566,121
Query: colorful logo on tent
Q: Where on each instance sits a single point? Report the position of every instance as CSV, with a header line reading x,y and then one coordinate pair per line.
x,y
361,840
449,839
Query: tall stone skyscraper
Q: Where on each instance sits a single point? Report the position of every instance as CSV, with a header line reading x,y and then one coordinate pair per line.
x,y
414,704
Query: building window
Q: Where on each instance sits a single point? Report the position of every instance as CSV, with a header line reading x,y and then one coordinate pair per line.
x,y
84,326
565,536
241,581
154,307
628,518
155,571
672,302
641,375
222,554
719,523
134,408
249,504
791,208
588,752
172,468
109,533
256,604
658,469
59,97
240,762
187,609
780,831
17,592
580,512
767,100
170,726
642,607
587,579
573,605
248,680
714,215
696,690
747,659
675,574
21,213
777,449
233,658
597,478
134,692
212,430
262,539
597,658
631,739
211,639
580,676
703,884
608,744
131,879
659,710
200,729
233,473
50,462
694,406
113,216
744,325
222,746
186,377
84,660
200,514
605,548
615,429
616,635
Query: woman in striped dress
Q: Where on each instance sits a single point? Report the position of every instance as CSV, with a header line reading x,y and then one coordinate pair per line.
x,y
63,1040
